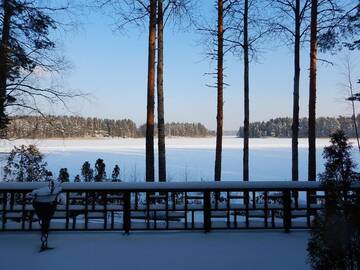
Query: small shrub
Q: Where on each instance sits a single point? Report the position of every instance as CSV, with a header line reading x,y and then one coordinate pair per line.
x,y
77,179
115,174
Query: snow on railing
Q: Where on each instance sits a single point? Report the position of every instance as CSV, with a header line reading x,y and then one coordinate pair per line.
x,y
155,186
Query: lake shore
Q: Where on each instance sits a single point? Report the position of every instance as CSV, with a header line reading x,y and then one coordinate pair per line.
x,y
229,142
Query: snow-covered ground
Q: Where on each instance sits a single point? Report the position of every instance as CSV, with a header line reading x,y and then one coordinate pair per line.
x,y
188,159
192,251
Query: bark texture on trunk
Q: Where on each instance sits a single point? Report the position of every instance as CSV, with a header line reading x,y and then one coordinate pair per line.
x,y
353,104
220,88
4,69
246,94
354,120
312,93
150,174
296,93
160,93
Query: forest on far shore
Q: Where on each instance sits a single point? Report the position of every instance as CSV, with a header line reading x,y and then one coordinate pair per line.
x,y
281,127
37,127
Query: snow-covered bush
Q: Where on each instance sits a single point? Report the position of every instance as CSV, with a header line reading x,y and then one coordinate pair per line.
x,y
63,175
25,164
77,179
100,170
87,172
335,237
115,174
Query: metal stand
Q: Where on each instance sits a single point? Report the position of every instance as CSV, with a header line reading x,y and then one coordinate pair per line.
x,y
45,211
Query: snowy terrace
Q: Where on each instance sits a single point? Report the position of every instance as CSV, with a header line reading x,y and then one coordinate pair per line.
x,y
167,206
225,210
230,250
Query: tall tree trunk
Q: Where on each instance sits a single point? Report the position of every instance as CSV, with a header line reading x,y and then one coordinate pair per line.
x,y
312,93
150,174
353,104
160,93
246,93
355,123
4,46
220,88
295,124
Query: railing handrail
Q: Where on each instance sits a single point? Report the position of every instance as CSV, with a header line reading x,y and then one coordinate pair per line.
x,y
162,186
175,205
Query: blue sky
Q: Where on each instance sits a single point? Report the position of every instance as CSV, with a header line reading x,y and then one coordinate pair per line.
x,y
112,67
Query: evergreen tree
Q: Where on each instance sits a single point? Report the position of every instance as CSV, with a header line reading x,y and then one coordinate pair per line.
x,y
149,138
115,174
220,88
77,179
87,172
27,47
160,91
293,25
281,127
63,175
345,32
335,236
25,164
100,170
74,126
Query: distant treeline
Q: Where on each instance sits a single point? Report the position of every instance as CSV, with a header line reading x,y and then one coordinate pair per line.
x,y
281,127
78,127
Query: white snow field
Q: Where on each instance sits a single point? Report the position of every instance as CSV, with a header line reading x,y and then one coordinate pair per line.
x,y
188,159
155,251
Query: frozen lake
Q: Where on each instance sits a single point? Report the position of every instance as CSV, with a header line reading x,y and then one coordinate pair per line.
x,y
188,159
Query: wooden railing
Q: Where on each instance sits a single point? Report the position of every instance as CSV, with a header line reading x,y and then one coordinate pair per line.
x,y
167,206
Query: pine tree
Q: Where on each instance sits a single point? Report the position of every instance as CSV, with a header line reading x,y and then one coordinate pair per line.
x,y
291,22
149,147
100,170
160,92
115,174
335,236
77,179
220,89
64,175
27,46
25,164
87,172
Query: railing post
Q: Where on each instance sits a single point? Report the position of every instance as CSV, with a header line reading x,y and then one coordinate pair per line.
x,y
104,197
247,202
67,210
12,200
287,210
308,210
4,210
207,211
23,217
86,214
127,214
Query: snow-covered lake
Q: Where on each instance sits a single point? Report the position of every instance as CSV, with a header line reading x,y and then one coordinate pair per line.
x,y
188,159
